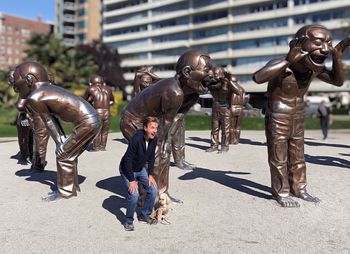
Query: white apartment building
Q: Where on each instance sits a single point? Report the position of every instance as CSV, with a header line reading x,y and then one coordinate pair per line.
x,y
240,35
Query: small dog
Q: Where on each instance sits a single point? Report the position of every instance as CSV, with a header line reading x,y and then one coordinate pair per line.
x,y
161,210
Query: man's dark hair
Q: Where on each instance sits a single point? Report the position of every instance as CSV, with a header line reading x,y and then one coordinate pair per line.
x,y
150,119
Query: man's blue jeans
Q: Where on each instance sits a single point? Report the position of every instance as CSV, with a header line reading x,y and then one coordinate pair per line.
x,y
132,198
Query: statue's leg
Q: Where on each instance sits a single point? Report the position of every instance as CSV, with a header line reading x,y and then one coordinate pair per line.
x,y
178,145
129,124
297,166
233,126
277,133
41,138
225,129
74,145
105,129
238,124
214,130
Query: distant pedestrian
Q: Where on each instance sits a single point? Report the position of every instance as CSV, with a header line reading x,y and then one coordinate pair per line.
x,y
323,112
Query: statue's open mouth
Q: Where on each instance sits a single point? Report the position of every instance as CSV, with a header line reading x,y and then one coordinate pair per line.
x,y
317,60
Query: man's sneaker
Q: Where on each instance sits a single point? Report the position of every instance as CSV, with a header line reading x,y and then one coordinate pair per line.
x,y
128,226
144,221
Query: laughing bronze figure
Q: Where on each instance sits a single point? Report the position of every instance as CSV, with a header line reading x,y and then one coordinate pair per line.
x,y
288,81
101,97
166,99
31,81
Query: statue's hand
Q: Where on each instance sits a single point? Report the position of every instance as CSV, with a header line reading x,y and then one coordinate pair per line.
x,y
341,47
166,150
25,123
59,150
296,53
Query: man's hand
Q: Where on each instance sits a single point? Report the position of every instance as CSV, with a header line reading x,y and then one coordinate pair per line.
x,y
296,52
152,181
133,187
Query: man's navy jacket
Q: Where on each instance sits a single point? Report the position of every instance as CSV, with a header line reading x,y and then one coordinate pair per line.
x,y
136,155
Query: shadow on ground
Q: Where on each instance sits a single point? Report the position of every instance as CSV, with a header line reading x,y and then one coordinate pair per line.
x,y
47,177
114,203
226,178
327,161
312,143
121,140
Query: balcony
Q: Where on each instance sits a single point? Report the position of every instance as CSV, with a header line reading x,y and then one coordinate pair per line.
x,y
69,18
69,6
69,30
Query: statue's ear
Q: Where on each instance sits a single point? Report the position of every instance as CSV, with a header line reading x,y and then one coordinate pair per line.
x,y
186,71
29,79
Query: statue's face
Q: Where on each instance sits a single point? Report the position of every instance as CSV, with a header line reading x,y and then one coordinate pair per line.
x,y
319,46
20,85
10,78
218,74
145,81
201,75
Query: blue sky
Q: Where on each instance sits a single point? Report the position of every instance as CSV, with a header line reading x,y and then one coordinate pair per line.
x,y
29,8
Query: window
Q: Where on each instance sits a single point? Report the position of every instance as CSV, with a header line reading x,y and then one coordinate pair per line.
x,y
81,24
171,37
203,3
205,33
209,16
126,30
82,12
81,37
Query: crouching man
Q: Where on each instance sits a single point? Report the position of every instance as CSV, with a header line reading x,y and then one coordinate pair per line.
x,y
139,155
48,101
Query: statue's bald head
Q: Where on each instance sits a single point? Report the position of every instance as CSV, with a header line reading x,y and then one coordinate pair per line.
x,y
304,31
190,58
32,69
96,79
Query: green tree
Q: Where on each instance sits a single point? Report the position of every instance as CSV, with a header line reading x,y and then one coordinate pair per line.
x,y
8,97
69,67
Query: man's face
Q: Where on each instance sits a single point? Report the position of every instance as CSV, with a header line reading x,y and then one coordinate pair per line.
x,y
319,46
201,75
20,85
151,130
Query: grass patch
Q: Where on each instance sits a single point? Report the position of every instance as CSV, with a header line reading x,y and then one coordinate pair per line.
x,y
193,121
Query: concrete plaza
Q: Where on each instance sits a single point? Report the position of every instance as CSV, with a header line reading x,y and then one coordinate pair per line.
x,y
227,203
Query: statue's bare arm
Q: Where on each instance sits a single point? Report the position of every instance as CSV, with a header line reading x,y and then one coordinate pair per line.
x,y
40,108
335,76
276,67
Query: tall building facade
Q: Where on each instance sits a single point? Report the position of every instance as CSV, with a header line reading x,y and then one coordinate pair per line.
x,y
14,33
239,35
78,21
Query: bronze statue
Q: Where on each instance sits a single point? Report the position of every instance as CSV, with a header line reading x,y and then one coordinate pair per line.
x,y
25,138
31,81
222,91
288,81
237,104
101,97
34,139
144,77
166,99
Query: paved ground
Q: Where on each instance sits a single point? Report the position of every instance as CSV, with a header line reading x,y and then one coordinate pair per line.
x,y
227,204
